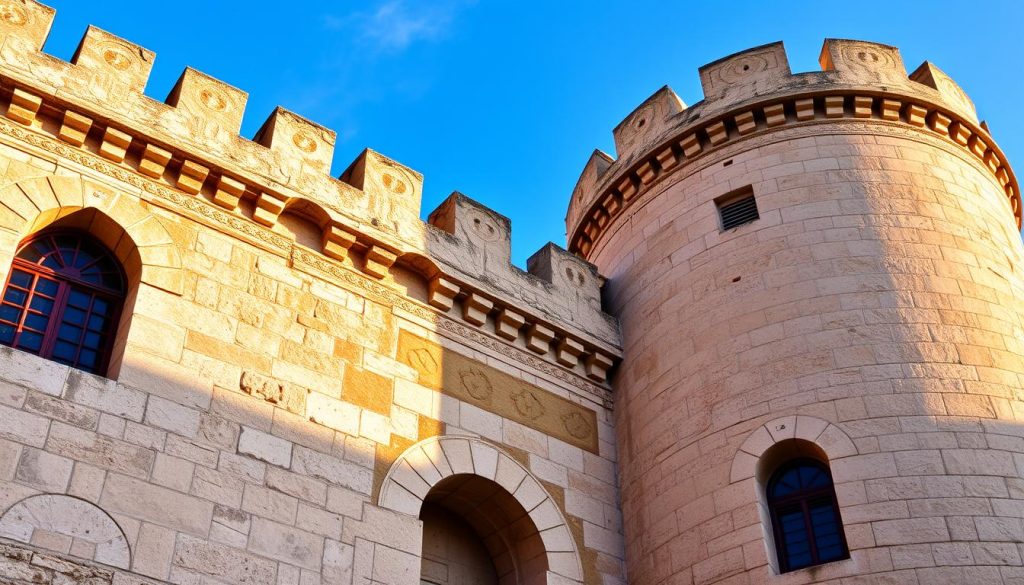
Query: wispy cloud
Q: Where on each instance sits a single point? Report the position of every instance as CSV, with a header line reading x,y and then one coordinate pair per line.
x,y
395,25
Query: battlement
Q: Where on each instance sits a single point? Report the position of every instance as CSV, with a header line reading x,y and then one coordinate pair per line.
x,y
753,92
188,151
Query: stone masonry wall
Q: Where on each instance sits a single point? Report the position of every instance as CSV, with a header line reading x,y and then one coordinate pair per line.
x,y
260,404
874,308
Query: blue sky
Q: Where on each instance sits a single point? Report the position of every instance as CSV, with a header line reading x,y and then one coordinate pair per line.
x,y
505,100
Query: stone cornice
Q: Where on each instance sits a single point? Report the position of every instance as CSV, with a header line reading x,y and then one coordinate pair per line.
x,y
927,101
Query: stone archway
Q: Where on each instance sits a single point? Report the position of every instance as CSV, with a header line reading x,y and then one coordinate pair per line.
x,y
32,204
477,480
67,525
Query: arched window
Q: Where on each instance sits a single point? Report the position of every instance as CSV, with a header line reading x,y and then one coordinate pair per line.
x,y
805,516
63,299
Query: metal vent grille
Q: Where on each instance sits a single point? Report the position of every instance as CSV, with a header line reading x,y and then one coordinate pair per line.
x,y
738,212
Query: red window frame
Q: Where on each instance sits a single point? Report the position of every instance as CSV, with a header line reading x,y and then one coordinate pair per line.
x,y
70,288
803,499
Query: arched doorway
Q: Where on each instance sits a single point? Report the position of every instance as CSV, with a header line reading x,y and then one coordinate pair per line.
x,y
476,533
465,488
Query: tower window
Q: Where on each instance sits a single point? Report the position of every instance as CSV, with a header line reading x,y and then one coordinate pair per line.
x,y
737,208
62,300
805,516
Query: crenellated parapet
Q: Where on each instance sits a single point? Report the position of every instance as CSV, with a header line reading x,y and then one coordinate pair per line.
x,y
188,150
753,93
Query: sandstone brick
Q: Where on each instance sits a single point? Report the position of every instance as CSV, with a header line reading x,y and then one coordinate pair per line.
x,y
269,504
105,395
45,471
367,390
153,551
265,447
155,504
222,562
308,462
98,450
286,544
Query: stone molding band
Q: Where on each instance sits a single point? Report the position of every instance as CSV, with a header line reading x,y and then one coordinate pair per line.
x,y
690,145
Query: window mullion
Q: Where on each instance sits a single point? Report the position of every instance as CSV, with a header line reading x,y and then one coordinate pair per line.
x,y
56,317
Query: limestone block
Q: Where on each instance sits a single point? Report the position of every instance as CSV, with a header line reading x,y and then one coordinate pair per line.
x,y
538,338
25,369
378,261
25,25
62,410
717,133
74,128
508,323
300,143
481,237
585,192
862,106
307,489
286,544
647,121
745,123
104,395
441,293
101,451
834,106
171,416
336,242
153,551
485,459
228,192
863,62
114,144
775,115
191,177
112,62
269,504
268,209
597,365
804,109
575,280
223,562
156,504
393,189
154,161
211,109
475,308
930,75
173,472
23,106
337,471
890,109
265,447
333,413
691,147
915,115
742,75
45,471
939,123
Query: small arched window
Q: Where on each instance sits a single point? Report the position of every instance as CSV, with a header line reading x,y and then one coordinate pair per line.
x,y
805,516
63,299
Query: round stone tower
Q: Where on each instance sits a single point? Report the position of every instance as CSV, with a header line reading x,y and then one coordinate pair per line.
x,y
819,269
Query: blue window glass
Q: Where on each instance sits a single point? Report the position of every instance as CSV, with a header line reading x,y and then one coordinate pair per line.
x,y
62,300
805,516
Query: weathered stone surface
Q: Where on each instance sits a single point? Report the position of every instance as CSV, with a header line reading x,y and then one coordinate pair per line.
x,y
222,562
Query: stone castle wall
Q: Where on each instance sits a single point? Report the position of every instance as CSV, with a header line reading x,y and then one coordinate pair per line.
x,y
301,360
873,310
